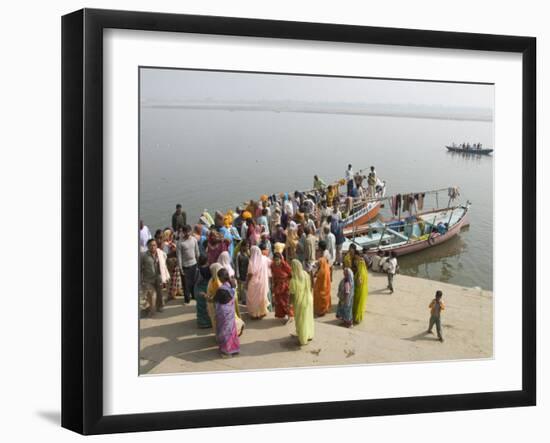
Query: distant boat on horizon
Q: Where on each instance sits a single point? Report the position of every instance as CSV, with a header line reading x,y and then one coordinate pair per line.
x,y
475,149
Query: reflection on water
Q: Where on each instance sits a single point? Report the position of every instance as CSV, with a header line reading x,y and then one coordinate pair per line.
x,y
442,262
469,157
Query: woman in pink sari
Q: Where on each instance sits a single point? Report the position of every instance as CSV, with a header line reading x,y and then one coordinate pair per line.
x,y
258,284
225,260
226,326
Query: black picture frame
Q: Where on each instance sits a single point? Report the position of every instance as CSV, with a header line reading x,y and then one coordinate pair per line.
x,y
82,190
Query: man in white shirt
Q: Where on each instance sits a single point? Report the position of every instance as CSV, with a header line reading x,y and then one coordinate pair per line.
x,y
336,214
330,239
325,210
244,229
288,207
144,236
390,267
310,223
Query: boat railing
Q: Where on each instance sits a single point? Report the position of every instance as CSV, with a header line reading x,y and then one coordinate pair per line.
x,y
388,198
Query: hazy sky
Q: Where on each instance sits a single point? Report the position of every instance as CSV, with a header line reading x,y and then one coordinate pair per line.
x,y
162,85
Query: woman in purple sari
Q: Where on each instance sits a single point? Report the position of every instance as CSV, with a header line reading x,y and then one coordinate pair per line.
x,y
226,327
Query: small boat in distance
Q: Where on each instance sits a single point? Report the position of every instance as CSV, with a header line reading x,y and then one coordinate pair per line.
x,y
467,148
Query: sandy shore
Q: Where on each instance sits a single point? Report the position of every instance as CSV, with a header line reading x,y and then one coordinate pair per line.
x,y
392,331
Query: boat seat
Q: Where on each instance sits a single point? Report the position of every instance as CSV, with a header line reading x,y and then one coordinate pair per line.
x,y
397,234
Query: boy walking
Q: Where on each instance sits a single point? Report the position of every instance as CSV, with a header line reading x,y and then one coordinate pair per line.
x,y
390,268
436,306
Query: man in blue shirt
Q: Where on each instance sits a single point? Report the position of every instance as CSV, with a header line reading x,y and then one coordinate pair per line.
x,y
337,228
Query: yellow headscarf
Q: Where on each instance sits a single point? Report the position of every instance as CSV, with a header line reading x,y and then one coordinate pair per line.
x,y
279,247
167,235
228,218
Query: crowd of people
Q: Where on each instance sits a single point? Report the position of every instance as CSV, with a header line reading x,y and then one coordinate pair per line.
x,y
276,254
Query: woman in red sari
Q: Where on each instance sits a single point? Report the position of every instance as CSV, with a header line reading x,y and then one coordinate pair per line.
x,y
321,288
281,274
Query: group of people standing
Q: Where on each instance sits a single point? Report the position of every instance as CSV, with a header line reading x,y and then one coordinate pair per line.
x,y
274,254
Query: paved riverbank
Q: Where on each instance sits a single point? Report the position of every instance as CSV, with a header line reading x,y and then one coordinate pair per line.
x,y
392,331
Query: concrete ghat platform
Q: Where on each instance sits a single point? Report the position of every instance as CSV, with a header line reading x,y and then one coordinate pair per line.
x,y
392,331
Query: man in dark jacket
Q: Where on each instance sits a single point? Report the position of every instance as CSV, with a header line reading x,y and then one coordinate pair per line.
x,y
179,219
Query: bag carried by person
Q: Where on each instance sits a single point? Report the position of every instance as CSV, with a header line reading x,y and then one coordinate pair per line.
x,y
384,264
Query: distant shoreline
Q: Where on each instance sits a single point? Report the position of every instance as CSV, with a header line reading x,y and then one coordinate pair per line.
x,y
372,110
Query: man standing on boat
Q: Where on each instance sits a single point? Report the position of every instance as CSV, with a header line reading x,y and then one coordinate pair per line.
x,y
318,183
371,181
349,180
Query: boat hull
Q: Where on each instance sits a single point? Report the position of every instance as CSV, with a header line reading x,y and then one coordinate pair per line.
x,y
363,216
434,240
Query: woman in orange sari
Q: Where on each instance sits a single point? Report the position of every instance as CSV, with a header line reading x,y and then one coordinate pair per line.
x,y
321,288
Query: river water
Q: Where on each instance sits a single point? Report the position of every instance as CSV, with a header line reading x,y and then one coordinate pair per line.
x,y
216,159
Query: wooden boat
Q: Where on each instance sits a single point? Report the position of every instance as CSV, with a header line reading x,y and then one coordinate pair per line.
x,y
411,234
472,151
364,211
362,214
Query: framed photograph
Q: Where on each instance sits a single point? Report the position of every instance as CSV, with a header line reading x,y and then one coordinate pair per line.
x,y
269,221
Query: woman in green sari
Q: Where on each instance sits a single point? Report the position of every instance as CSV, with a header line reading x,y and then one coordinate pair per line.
x,y
302,299
361,280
